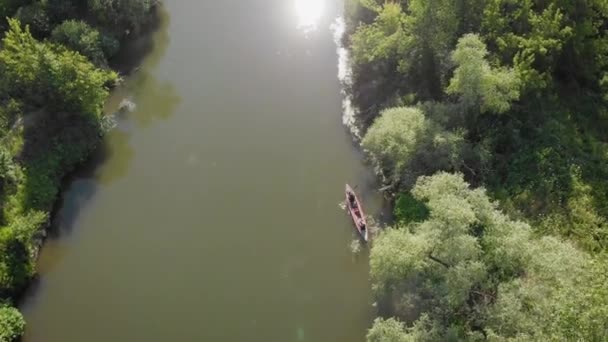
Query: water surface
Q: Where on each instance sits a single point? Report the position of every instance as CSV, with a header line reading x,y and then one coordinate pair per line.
x,y
212,212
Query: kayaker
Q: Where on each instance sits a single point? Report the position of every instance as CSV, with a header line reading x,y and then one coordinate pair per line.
x,y
352,199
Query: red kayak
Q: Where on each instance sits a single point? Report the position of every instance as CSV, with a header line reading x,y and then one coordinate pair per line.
x,y
356,212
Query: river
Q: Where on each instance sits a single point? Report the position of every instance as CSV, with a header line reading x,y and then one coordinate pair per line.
x,y
212,212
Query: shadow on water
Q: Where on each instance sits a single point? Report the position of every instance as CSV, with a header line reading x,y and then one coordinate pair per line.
x,y
151,98
111,160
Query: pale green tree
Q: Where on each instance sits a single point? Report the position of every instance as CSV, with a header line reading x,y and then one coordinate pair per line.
x,y
389,330
395,135
384,39
469,271
481,87
12,324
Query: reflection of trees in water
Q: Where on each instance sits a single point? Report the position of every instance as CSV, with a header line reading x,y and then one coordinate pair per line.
x,y
117,155
149,46
154,99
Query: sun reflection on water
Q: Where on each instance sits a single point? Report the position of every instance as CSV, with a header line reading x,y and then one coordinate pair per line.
x,y
309,13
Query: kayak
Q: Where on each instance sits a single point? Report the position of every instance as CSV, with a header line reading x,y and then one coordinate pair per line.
x,y
356,212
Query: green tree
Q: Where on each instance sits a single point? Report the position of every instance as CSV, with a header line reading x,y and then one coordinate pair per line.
x,y
20,61
12,324
7,169
50,75
121,16
481,87
407,144
395,136
468,270
389,330
78,84
80,37
529,36
382,40
9,113
16,251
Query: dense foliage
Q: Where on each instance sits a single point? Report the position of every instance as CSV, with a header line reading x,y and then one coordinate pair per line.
x,y
54,80
511,95
468,272
82,38
518,90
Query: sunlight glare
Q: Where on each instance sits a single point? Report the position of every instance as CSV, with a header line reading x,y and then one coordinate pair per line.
x,y
309,13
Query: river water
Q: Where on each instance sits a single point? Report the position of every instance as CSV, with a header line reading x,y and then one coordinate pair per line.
x,y
212,212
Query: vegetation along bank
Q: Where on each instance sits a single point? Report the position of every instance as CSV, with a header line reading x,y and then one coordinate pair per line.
x,y
55,75
489,121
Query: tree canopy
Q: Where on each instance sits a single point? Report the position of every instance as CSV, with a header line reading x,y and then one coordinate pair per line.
x,y
50,74
468,272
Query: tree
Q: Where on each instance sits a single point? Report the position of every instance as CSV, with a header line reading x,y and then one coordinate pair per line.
x,y
10,111
481,87
12,324
20,60
80,37
7,9
395,136
121,16
407,145
16,251
469,271
382,40
51,75
532,35
389,330
7,170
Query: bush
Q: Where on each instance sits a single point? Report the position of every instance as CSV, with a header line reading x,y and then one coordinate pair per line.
x,y
12,324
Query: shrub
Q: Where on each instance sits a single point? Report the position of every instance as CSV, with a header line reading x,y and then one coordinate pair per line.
x,y
12,324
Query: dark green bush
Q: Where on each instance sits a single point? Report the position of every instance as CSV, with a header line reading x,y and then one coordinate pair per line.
x,y
79,36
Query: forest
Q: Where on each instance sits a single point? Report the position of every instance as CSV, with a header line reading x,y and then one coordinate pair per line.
x,y
488,120
55,75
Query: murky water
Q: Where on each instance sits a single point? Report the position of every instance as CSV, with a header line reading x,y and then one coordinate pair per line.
x,y
212,213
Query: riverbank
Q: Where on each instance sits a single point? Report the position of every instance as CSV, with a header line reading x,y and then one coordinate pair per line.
x,y
449,110
52,120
